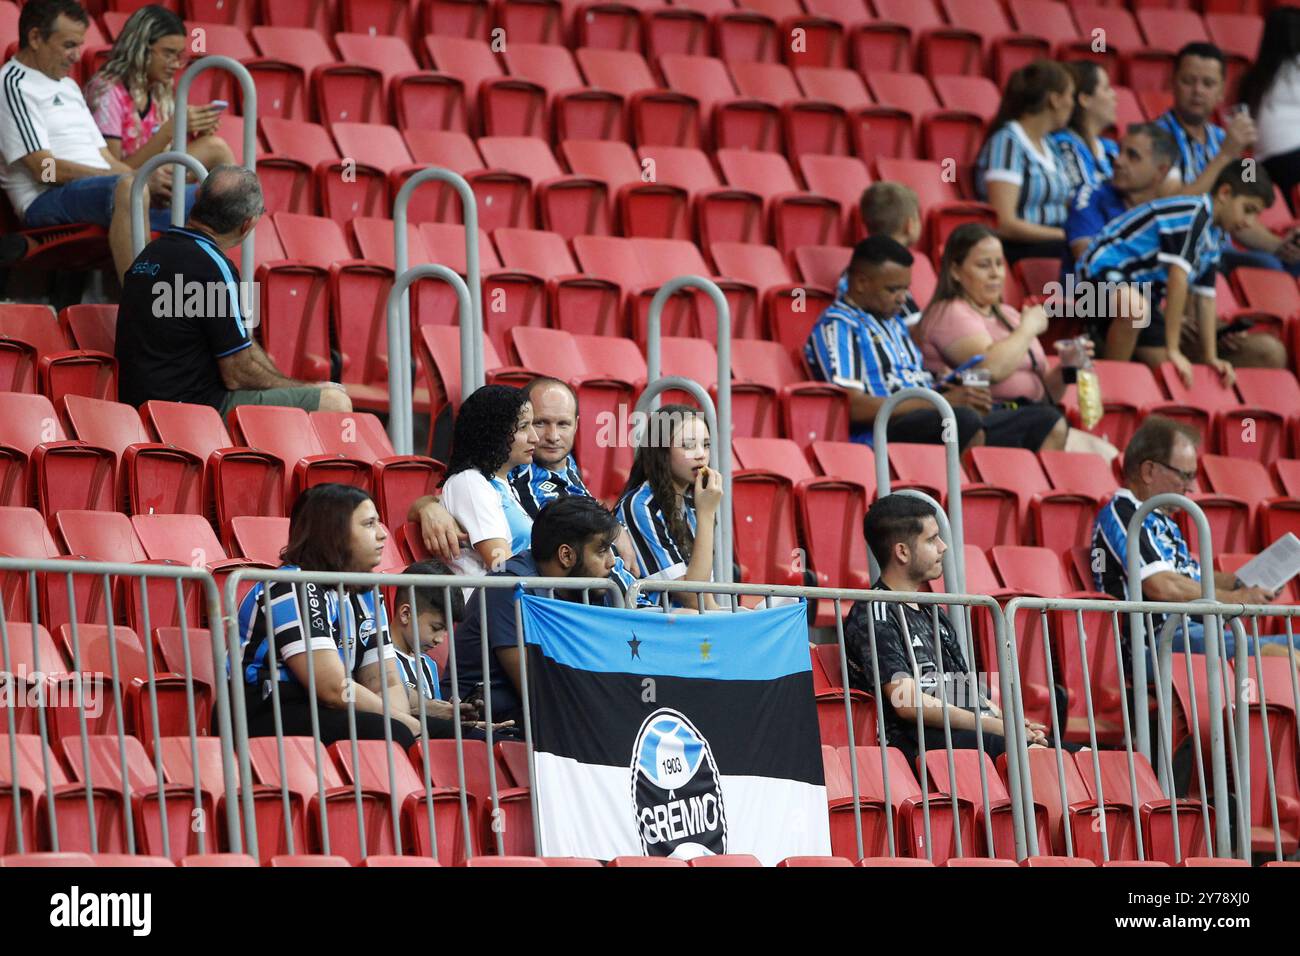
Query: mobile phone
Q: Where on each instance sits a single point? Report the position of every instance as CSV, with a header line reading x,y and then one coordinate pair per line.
x,y
218,105
1242,324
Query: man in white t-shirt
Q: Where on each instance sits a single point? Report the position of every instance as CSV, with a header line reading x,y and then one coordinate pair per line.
x,y
57,169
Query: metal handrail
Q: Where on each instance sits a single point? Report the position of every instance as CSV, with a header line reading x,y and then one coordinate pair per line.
x,y
374,581
722,434
401,409
222,703
1213,638
473,345
139,222
248,95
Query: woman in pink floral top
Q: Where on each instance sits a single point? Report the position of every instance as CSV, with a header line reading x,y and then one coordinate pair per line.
x,y
967,318
131,95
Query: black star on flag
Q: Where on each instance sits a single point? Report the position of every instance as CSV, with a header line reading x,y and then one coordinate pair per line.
x,y
636,647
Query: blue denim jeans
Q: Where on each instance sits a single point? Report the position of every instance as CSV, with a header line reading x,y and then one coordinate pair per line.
x,y
90,200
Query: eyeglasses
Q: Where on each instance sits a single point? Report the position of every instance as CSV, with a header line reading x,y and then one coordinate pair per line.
x,y
1187,476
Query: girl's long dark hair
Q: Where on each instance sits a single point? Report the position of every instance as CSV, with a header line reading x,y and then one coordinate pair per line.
x,y
485,430
653,465
1086,75
320,527
128,61
1279,43
1027,91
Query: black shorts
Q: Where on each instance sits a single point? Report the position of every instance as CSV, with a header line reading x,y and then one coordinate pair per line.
x,y
1024,426
1097,325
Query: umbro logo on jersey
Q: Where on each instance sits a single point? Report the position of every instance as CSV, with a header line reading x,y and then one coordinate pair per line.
x,y
548,486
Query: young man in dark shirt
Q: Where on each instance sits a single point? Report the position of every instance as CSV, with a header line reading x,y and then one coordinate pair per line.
x,y
182,331
904,537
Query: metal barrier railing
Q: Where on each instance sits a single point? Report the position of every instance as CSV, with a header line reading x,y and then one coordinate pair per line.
x,y
471,338
1133,578
1013,731
401,415
1098,658
1213,641
722,433
407,586
145,594
248,96
139,221
127,677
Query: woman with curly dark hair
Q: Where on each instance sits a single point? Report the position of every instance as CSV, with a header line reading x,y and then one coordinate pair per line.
x,y
672,497
494,433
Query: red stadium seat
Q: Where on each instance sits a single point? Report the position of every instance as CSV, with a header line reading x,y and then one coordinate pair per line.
x,y
219,860
828,690
811,411
725,860
815,861
34,356
513,823
569,205
796,218
339,817
1155,810
649,209
576,111
156,810
92,327
25,534
939,48
237,481
1057,519
721,214
152,477
69,812
993,819
397,479
870,805
307,859
1272,514
1239,430
905,795
377,759
287,434
273,836
577,302
1277,698
738,123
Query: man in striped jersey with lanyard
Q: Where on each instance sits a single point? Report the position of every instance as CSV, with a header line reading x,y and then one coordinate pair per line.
x,y
861,343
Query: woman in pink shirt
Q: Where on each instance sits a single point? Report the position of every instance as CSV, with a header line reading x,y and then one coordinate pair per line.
x,y
131,94
967,318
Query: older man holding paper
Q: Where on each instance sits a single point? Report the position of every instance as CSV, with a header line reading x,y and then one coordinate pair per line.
x,y
1161,459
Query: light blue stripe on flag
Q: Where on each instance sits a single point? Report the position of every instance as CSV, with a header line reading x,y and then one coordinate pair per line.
x,y
747,645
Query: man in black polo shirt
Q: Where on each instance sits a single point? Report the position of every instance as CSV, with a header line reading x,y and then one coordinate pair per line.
x,y
182,331
904,536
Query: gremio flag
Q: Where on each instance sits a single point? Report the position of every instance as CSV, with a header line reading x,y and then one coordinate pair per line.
x,y
674,734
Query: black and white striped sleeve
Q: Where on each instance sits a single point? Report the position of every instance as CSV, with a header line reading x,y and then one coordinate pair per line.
x,y
22,127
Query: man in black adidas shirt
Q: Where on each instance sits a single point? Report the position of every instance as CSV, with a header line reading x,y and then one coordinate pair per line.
x,y
904,536
183,334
